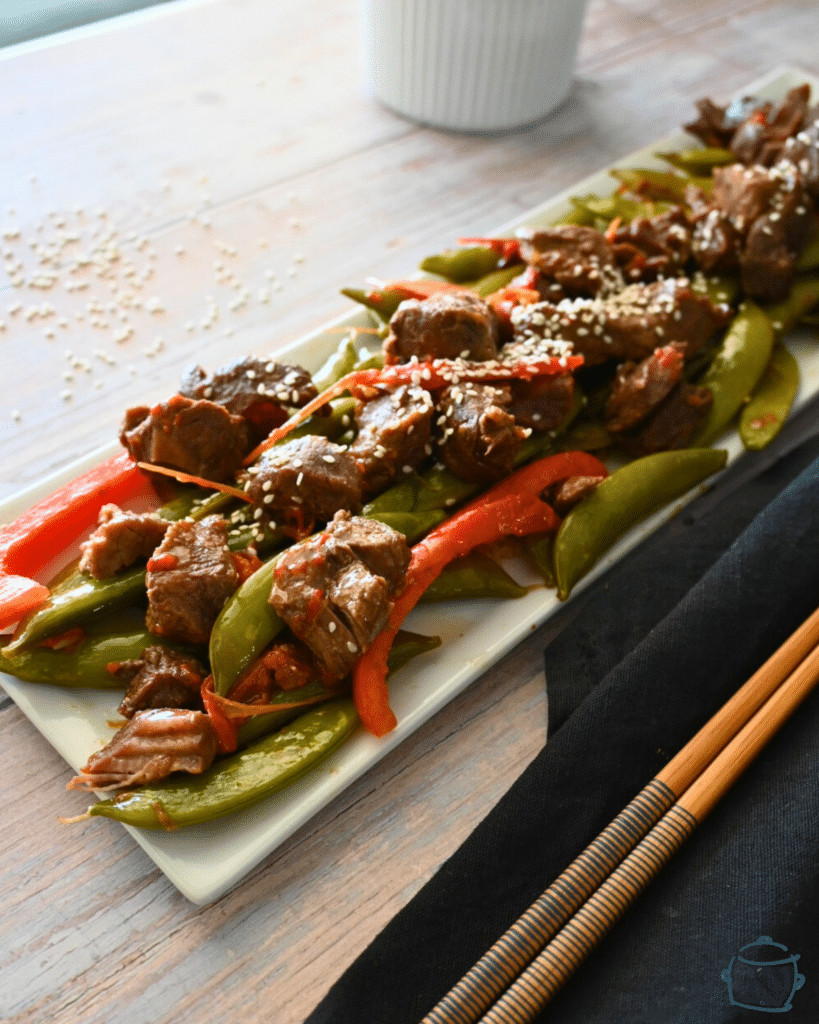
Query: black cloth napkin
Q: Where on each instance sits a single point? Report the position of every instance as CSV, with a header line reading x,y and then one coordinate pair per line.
x,y
644,658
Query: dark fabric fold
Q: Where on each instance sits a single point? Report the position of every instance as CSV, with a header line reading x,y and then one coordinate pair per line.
x,y
653,651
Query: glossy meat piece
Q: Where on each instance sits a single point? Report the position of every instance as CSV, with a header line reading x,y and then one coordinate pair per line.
x,y
542,404
803,152
305,481
151,746
771,213
189,578
565,495
120,539
577,258
761,137
393,436
258,389
628,325
638,388
160,678
444,326
652,246
715,242
479,438
334,590
672,423
197,437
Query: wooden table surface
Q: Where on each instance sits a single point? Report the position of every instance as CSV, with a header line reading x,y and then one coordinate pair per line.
x,y
217,172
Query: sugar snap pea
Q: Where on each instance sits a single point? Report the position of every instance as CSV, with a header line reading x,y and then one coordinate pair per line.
x,y
659,185
474,576
735,370
699,161
87,666
240,780
629,495
765,414
462,265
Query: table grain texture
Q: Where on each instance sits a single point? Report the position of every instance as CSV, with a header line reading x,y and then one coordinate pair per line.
x,y
217,172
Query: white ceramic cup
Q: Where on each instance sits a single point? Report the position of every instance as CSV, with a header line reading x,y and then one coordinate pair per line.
x,y
471,65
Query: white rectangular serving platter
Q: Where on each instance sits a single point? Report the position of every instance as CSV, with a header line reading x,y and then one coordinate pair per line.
x,y
204,861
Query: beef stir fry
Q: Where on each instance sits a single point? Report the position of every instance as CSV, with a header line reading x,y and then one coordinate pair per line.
x,y
601,337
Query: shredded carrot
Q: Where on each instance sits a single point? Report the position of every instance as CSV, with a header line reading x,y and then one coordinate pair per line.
x,y
189,478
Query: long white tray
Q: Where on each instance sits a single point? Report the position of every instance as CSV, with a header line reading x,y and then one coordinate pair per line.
x,y
205,861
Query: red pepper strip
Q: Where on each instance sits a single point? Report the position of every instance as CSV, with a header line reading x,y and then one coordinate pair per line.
x,y
245,564
226,731
511,507
508,249
189,478
430,374
37,536
612,229
423,288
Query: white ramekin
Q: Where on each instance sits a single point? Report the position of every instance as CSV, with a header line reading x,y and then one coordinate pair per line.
x,y
471,65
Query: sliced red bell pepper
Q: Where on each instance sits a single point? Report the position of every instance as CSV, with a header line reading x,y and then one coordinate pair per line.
x,y
511,508
46,529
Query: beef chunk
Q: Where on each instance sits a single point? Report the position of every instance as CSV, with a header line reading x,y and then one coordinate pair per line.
x,y
770,211
579,259
160,678
803,152
564,495
120,539
258,389
628,325
444,326
334,590
480,438
715,125
150,747
197,437
761,137
190,576
393,435
639,388
652,246
304,481
542,404
715,241
673,422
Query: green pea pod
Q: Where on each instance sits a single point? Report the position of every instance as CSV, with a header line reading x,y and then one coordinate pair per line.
x,y
735,370
660,186
609,207
699,161
497,279
474,576
84,667
413,525
462,265
240,780
343,364
261,725
809,257
588,436
577,215
629,495
407,646
540,548
785,315
383,303
765,414
245,626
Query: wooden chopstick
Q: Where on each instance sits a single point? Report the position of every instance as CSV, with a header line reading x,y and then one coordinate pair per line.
x,y
611,872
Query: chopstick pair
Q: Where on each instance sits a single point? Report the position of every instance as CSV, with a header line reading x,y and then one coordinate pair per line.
x,y
528,965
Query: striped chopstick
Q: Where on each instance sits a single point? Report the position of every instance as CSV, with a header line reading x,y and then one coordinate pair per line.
x,y
524,969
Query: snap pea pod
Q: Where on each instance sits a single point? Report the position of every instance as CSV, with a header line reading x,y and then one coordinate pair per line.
x,y
413,525
383,302
785,315
344,363
244,628
498,279
735,370
765,414
699,161
540,549
659,185
719,289
629,495
236,782
462,265
609,207
474,576
84,667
